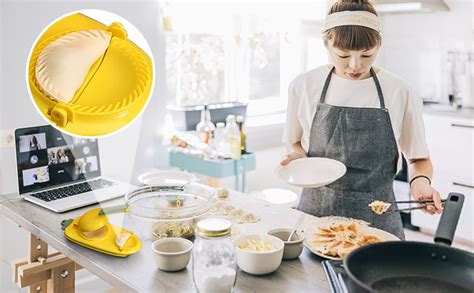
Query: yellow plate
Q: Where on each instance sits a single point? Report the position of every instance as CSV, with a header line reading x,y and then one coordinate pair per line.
x,y
115,90
105,243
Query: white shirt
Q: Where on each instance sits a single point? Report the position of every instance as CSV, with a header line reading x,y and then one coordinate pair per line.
x,y
404,107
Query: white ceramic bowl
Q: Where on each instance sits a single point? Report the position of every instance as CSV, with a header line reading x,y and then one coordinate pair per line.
x,y
294,247
166,178
311,172
278,196
172,254
259,263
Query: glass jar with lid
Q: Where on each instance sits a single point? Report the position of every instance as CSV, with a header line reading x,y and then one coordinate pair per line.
x,y
214,264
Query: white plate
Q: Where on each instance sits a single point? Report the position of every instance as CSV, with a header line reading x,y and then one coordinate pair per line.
x,y
326,221
311,172
166,178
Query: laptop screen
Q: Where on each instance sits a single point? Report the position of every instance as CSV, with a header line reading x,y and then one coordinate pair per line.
x,y
47,157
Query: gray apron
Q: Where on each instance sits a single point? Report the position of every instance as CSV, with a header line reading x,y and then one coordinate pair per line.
x,y
362,139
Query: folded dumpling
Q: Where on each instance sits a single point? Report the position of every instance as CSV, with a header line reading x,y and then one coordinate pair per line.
x,y
64,64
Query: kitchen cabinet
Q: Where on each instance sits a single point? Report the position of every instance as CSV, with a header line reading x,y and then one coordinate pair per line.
x,y
451,143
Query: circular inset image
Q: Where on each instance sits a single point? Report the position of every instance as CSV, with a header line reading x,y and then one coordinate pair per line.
x,y
90,73
86,150
34,159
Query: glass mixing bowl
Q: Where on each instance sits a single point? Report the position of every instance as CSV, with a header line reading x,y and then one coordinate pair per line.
x,y
168,211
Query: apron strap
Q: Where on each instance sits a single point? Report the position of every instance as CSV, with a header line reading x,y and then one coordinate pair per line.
x,y
326,85
379,88
374,76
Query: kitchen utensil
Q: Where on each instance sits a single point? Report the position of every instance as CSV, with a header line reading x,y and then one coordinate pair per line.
x,y
409,266
166,178
292,248
311,172
113,93
412,208
415,201
364,228
93,230
172,254
298,223
390,208
461,74
406,209
259,263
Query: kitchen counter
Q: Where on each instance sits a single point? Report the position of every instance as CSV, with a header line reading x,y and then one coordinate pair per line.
x,y
447,110
138,273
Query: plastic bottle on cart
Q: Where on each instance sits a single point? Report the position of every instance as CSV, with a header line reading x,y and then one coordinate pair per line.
x,y
233,137
219,137
243,138
205,128
214,263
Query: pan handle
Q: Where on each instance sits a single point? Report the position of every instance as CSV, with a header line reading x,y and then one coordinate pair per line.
x,y
449,219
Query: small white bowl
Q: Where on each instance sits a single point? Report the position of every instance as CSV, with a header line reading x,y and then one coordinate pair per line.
x,y
259,263
294,247
172,254
166,178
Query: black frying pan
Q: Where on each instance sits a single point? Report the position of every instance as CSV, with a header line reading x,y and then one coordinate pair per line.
x,y
408,266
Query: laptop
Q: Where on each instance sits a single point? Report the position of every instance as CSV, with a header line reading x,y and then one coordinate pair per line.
x,y
61,172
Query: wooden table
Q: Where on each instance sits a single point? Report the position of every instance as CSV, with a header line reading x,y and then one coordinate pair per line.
x,y
138,273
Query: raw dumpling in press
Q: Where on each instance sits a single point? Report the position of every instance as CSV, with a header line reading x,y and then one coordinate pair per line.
x,y
64,64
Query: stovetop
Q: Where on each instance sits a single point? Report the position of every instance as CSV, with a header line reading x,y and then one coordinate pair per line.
x,y
336,275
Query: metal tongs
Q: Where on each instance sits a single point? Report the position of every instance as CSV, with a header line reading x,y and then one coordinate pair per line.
x,y
425,201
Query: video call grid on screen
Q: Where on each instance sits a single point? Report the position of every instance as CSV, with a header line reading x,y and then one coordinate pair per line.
x,y
46,157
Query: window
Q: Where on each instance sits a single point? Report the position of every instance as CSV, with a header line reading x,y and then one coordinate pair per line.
x,y
195,68
223,53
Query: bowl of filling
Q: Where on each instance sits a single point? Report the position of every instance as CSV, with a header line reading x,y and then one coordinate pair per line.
x,y
259,254
155,212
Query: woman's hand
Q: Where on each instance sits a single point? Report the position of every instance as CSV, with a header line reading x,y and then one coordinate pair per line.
x,y
290,157
422,190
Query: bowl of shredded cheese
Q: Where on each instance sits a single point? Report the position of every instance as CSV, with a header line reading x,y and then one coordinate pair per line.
x,y
259,254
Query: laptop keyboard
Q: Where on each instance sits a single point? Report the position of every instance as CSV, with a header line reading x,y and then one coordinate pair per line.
x,y
71,190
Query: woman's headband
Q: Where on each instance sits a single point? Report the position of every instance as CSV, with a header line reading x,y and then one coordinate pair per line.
x,y
358,17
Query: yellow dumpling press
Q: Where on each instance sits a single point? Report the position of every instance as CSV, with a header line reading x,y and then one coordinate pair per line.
x,y
93,230
115,88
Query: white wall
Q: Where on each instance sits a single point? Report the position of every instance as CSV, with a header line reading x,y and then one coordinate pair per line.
x,y
415,46
123,155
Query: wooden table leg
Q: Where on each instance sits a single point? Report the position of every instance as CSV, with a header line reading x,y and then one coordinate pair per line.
x,y
63,278
44,273
37,249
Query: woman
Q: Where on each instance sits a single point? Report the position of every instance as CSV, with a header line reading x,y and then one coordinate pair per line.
x,y
62,156
34,145
361,116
